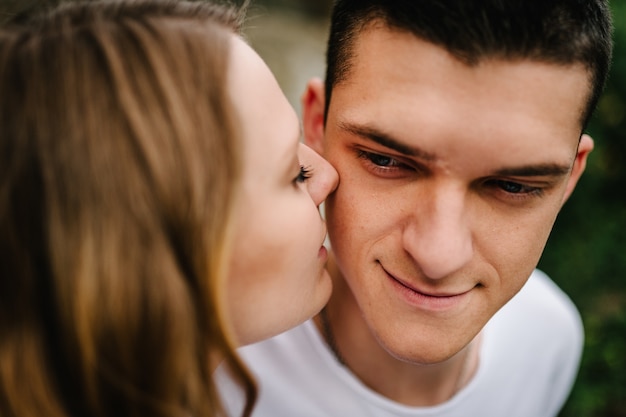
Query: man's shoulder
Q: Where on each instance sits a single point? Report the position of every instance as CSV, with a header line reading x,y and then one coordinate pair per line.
x,y
542,297
297,350
541,311
287,369
536,341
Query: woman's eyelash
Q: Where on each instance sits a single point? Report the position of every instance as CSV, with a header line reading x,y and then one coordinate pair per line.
x,y
305,173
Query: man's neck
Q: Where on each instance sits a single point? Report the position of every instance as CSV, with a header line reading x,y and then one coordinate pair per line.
x,y
349,337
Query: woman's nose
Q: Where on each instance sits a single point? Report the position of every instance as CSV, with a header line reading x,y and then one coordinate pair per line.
x,y
324,177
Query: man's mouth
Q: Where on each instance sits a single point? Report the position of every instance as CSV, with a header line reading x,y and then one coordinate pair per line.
x,y
427,298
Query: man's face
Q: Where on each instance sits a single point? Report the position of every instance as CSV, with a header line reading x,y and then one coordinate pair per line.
x,y
451,177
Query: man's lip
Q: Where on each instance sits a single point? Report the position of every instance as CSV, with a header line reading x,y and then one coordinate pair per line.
x,y
434,294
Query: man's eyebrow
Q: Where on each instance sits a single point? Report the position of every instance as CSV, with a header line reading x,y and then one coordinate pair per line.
x,y
383,139
540,170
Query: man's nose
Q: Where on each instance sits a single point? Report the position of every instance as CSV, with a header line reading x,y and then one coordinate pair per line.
x,y
438,236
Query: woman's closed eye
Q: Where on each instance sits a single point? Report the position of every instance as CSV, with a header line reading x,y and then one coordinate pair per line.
x,y
305,173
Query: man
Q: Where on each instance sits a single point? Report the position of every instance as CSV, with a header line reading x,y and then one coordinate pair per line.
x,y
457,131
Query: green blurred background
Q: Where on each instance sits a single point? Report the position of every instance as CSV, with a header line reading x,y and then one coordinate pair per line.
x,y
586,253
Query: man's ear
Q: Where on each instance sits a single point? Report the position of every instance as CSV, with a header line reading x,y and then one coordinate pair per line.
x,y
313,115
585,146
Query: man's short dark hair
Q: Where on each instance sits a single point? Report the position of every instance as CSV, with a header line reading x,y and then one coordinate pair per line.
x,y
562,32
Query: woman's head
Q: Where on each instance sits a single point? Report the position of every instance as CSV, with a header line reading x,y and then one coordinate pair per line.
x,y
153,202
277,276
119,168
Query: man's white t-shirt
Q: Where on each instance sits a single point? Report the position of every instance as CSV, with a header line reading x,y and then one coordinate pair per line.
x,y
529,358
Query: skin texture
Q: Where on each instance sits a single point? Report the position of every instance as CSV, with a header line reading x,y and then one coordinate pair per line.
x,y
277,275
451,179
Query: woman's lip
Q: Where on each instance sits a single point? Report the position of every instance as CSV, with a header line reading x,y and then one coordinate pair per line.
x,y
323,253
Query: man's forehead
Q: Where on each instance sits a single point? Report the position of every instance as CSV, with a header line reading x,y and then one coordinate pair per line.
x,y
379,32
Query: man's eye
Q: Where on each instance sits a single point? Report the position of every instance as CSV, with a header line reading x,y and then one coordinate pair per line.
x,y
515,188
379,160
510,187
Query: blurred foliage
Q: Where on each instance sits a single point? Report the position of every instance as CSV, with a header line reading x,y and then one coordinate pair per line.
x,y
313,8
586,253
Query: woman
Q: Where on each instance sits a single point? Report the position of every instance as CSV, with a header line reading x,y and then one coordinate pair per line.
x,y
156,210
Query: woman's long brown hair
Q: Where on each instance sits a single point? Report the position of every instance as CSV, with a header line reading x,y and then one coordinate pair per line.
x,y
119,168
